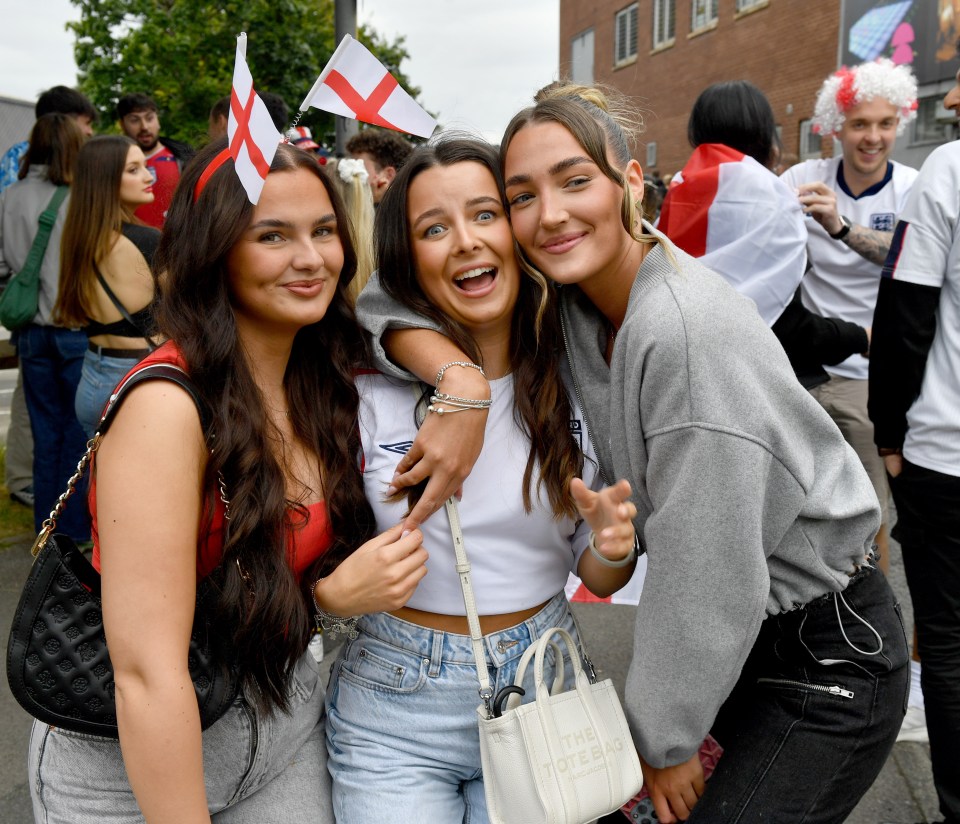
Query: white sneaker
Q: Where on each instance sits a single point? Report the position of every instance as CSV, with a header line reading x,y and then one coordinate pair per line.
x,y
914,727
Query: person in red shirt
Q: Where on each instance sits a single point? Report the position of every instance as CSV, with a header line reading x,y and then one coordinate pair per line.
x,y
140,121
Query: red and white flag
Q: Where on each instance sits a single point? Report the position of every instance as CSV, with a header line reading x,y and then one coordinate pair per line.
x,y
742,221
250,129
355,84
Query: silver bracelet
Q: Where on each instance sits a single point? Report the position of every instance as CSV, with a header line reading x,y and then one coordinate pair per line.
x,y
456,400
331,624
464,364
631,557
439,410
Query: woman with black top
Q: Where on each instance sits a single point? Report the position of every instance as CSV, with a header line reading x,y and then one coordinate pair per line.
x,y
105,284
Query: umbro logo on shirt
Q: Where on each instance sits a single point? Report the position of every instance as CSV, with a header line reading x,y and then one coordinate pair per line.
x,y
401,448
576,429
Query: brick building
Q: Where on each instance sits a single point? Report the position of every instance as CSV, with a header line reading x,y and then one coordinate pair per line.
x,y
663,53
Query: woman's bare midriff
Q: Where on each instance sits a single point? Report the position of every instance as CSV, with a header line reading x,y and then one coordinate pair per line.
x,y
457,624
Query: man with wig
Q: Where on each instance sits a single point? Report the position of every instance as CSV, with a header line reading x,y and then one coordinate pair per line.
x,y
852,203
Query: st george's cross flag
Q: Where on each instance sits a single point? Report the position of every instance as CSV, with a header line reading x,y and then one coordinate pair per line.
x,y
355,84
253,137
742,222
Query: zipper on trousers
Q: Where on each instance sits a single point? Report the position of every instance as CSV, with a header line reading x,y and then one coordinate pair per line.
x,y
840,692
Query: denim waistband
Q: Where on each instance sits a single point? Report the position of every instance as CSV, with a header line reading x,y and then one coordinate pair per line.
x,y
436,645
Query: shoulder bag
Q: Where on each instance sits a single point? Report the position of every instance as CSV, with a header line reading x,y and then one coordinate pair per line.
x,y
58,665
21,298
565,758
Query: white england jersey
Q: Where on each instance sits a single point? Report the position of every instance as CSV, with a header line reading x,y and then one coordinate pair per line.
x,y
928,253
841,283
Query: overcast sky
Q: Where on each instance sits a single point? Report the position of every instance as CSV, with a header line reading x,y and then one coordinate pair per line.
x,y
475,63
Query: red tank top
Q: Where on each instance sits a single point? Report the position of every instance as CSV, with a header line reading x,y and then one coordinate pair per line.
x,y
309,534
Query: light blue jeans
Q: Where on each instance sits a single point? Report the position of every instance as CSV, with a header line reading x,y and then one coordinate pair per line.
x,y
99,376
257,768
402,704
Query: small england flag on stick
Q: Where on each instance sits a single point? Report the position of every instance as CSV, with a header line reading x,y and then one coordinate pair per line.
x,y
355,84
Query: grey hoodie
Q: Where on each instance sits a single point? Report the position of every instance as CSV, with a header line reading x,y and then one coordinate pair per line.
x,y
749,500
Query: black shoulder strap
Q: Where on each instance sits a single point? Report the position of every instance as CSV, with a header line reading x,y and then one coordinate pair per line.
x,y
120,307
154,371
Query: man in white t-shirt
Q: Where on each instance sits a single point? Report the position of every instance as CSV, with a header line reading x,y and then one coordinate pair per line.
x,y
852,203
915,407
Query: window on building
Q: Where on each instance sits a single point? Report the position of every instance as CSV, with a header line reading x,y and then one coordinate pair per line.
x,y
651,154
929,127
703,14
626,34
664,18
581,58
809,141
747,5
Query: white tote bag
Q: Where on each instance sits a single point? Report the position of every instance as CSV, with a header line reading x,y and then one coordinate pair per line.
x,y
565,758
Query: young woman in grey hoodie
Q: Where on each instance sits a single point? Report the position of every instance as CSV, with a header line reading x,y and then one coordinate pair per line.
x,y
762,619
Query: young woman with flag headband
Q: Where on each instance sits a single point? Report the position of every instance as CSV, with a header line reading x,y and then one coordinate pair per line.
x,y
402,700
262,502
762,619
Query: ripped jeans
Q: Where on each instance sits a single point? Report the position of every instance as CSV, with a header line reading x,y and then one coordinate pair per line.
x,y
815,712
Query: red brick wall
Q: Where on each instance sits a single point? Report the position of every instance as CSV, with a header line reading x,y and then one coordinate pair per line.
x,y
786,48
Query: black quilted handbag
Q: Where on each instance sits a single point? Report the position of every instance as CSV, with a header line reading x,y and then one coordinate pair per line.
x,y
58,665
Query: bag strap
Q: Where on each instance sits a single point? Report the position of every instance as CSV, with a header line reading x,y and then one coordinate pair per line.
x,y
39,248
469,601
155,371
121,308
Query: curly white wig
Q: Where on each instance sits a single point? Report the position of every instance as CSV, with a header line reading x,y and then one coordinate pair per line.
x,y
847,88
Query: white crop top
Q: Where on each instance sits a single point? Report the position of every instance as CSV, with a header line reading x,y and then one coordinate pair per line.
x,y
518,560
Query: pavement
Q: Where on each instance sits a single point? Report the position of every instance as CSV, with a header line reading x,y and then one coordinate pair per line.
x,y
902,794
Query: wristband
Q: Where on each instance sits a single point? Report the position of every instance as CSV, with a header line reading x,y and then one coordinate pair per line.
x,y
844,229
630,558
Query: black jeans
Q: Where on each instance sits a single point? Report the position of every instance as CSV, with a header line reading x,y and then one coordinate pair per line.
x,y
928,529
815,712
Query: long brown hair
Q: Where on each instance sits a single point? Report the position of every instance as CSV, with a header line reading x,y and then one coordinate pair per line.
x,y
269,618
94,220
541,405
55,141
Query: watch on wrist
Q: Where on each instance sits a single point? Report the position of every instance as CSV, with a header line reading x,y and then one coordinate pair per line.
x,y
844,229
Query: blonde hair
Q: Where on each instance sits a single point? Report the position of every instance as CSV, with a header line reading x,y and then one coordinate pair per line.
x,y
605,124
350,178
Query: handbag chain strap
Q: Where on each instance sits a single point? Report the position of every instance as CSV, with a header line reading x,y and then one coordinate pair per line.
x,y
167,371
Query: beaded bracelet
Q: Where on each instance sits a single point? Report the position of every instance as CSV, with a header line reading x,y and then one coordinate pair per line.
x,y
332,624
631,556
464,364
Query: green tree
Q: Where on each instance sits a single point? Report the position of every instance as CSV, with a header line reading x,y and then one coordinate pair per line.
x,y
181,53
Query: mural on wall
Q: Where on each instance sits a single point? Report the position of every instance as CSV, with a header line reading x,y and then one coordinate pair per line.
x,y
920,33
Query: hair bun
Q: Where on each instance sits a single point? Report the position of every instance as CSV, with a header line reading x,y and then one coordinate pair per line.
x,y
563,89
